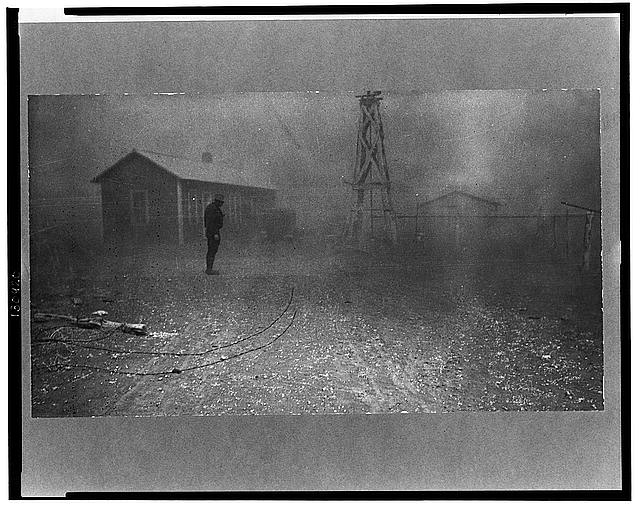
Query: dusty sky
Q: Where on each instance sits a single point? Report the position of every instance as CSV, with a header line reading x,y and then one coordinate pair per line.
x,y
526,149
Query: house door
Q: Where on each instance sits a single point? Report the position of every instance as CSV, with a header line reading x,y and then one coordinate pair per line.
x,y
139,214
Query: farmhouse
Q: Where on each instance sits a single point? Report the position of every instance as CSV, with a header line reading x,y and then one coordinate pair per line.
x,y
154,197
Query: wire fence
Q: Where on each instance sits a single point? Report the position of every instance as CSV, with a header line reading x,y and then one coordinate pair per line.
x,y
568,236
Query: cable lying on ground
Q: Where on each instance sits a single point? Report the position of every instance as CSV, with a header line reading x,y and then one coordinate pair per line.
x,y
80,343
71,341
177,370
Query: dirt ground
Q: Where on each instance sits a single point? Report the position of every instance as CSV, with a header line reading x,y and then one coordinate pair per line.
x,y
291,329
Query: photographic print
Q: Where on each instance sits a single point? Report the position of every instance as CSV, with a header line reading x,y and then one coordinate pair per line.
x,y
360,252
291,253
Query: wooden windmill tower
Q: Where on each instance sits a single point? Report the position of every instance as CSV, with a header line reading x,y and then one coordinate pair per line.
x,y
371,179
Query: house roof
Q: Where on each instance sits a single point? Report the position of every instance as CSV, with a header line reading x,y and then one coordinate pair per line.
x,y
462,193
188,169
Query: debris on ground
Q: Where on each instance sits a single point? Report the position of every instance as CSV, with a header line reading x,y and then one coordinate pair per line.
x,y
402,339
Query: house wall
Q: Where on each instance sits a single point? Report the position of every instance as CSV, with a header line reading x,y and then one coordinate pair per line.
x,y
243,207
133,175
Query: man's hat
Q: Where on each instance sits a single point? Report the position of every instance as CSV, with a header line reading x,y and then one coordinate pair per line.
x,y
219,197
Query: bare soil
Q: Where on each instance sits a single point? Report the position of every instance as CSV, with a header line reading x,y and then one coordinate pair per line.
x,y
367,334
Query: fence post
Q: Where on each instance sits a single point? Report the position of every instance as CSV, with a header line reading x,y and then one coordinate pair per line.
x,y
371,210
586,254
566,246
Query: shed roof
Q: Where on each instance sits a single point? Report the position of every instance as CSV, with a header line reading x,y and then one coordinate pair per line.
x,y
214,172
465,194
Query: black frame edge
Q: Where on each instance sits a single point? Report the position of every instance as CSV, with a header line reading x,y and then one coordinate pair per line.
x,y
14,257
625,279
519,8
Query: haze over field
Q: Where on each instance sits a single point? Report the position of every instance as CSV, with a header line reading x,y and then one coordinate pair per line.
x,y
526,149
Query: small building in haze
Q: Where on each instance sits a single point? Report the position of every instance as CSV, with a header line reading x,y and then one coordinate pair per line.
x,y
458,221
155,197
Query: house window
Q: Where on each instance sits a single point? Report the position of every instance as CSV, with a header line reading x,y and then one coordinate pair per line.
x,y
193,207
241,208
191,204
139,207
236,209
231,208
199,208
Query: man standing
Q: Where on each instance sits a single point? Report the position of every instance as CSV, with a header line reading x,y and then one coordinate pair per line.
x,y
213,219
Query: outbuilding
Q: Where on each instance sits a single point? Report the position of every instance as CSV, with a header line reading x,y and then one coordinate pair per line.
x,y
155,197
459,221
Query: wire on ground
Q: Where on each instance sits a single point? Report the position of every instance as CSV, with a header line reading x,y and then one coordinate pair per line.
x,y
80,343
176,370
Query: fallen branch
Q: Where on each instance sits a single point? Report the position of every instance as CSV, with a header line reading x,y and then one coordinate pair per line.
x,y
100,314
93,322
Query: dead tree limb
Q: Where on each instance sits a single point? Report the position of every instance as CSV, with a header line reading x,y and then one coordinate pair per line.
x,y
94,323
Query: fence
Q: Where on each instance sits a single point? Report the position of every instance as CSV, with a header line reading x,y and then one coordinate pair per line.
x,y
570,237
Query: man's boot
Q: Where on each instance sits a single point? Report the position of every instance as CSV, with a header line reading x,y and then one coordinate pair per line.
x,y
210,270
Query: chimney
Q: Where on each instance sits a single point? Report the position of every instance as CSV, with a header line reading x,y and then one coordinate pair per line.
x,y
207,157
